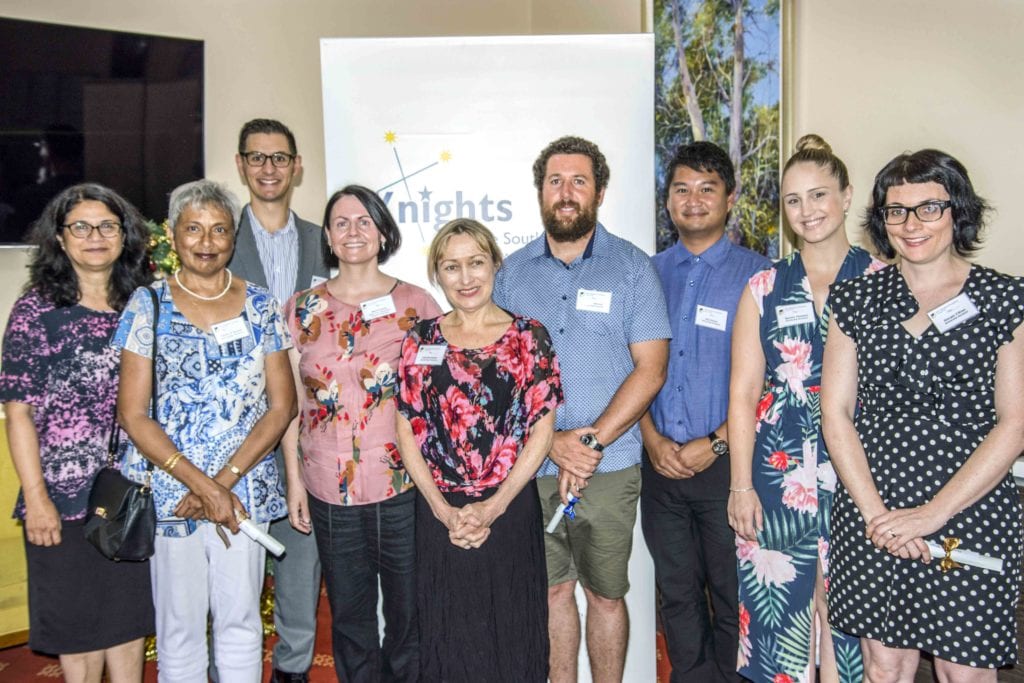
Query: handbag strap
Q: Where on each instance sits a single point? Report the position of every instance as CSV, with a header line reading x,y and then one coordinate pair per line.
x,y
115,432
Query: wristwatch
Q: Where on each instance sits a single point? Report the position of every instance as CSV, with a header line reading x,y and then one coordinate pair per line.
x,y
590,441
719,446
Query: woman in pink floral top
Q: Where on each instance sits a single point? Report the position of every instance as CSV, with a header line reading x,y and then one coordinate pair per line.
x,y
347,333
477,398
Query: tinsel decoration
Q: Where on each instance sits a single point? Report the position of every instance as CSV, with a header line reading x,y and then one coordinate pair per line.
x,y
163,260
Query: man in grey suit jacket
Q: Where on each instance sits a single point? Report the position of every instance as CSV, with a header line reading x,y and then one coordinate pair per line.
x,y
278,250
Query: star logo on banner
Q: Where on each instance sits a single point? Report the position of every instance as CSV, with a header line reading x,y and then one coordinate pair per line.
x,y
391,137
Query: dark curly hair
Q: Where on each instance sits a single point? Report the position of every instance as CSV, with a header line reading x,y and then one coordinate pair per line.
x,y
571,144
51,272
927,166
378,212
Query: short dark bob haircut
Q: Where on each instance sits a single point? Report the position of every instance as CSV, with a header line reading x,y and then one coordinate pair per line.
x,y
570,144
703,156
929,166
378,213
51,272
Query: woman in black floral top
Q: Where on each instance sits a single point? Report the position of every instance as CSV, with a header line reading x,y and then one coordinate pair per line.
x,y
477,398
58,385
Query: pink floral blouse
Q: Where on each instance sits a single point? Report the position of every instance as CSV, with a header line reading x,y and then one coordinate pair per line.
x,y
348,368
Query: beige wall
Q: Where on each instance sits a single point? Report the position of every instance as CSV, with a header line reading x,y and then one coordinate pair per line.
x,y
263,56
877,77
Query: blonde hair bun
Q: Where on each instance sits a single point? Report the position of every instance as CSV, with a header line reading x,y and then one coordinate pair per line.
x,y
813,141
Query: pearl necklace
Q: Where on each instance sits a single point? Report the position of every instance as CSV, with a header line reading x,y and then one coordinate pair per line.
x,y
200,296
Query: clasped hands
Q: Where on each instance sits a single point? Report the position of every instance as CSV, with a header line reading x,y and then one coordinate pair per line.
x,y
214,502
901,531
470,525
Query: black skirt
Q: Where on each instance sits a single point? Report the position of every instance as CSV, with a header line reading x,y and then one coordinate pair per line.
x,y
79,601
483,613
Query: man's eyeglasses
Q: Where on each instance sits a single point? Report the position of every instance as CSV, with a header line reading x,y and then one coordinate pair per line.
x,y
81,229
278,159
926,212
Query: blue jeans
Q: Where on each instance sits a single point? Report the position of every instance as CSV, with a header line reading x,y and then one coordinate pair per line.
x,y
359,544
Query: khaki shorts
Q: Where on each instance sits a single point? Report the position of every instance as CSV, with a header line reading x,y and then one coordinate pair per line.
x,y
595,547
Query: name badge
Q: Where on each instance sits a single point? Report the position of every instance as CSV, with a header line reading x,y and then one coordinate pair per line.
x,y
378,308
593,300
795,314
715,318
230,330
957,310
431,354
316,280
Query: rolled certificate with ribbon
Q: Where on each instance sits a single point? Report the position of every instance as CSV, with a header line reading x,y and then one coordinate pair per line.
x,y
563,510
952,556
273,546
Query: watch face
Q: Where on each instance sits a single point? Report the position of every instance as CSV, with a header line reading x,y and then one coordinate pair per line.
x,y
719,447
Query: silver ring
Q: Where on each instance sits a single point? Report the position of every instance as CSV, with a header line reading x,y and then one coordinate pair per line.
x,y
892,533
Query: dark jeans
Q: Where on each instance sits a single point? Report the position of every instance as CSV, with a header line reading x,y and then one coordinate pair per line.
x,y
686,527
358,544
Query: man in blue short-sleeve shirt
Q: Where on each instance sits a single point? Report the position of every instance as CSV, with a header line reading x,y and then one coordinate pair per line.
x,y
600,300
686,464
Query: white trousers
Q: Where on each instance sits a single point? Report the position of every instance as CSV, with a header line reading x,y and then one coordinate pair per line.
x,y
194,577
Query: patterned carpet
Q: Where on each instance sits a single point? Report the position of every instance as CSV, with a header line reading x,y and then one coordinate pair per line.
x,y
18,664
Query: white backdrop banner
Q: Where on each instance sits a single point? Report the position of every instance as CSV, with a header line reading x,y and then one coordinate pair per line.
x,y
449,127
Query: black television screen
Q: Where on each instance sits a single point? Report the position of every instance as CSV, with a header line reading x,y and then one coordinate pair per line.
x,y
121,109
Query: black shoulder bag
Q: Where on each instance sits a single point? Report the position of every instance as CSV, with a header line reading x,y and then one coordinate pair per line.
x,y
121,519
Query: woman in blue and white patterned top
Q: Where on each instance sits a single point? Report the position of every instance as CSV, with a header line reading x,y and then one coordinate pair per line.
x,y
224,398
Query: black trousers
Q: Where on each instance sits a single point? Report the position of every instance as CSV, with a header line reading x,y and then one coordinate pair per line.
x,y
687,531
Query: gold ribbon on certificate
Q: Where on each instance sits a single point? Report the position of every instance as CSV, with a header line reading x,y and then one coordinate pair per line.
x,y
949,544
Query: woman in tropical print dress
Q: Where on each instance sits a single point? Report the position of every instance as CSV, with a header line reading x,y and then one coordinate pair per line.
x,y
478,389
345,479
782,481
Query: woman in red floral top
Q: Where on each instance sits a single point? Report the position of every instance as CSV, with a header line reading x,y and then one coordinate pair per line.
x,y
478,390
349,483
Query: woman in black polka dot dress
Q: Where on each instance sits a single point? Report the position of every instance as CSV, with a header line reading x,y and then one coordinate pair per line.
x,y
924,370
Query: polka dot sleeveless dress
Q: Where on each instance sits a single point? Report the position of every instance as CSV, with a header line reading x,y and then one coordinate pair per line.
x,y
925,404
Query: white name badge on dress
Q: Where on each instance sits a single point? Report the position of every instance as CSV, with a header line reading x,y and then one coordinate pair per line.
x,y
377,308
431,354
715,318
957,310
316,280
593,300
230,330
795,314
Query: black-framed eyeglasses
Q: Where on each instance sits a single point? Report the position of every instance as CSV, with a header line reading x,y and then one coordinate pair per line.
x,y
926,212
278,159
81,229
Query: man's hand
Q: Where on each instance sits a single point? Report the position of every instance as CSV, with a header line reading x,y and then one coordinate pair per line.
x,y
571,455
696,455
666,458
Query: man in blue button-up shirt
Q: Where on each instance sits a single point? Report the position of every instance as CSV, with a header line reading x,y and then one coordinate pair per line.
x,y
600,300
686,463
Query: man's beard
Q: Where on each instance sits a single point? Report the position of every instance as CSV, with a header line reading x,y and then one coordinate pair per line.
x,y
559,231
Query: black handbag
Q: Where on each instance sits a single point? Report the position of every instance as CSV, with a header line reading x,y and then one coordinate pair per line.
x,y
121,519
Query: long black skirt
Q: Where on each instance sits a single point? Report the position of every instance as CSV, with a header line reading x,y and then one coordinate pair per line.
x,y
483,613
79,601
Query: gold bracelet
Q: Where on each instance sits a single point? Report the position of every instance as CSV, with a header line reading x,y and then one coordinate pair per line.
x,y
234,470
172,461
749,488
